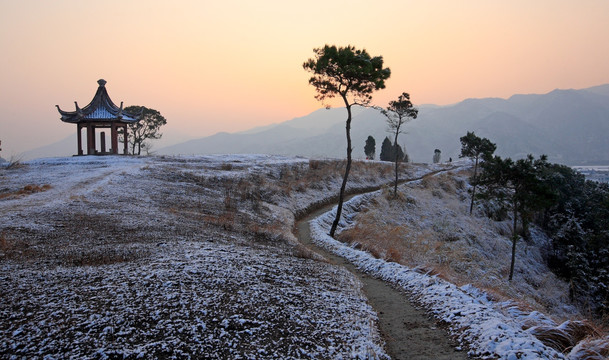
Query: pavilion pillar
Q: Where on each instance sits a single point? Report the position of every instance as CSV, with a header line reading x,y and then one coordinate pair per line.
x,y
102,141
125,137
79,138
90,139
114,139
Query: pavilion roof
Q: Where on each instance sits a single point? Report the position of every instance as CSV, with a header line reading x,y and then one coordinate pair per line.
x,y
101,108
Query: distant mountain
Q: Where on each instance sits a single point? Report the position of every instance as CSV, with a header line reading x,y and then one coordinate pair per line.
x,y
570,126
292,137
64,147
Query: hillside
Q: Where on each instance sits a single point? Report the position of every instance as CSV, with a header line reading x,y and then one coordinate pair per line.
x,y
171,257
162,256
427,231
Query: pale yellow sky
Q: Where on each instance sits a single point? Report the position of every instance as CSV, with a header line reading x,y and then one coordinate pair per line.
x,y
232,65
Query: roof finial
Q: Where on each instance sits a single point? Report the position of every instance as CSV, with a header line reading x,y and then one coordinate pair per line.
x,y
101,82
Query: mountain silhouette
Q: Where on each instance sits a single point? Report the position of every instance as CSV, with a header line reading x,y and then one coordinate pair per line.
x,y
570,126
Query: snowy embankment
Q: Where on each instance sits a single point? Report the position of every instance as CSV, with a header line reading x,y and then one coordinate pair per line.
x,y
483,325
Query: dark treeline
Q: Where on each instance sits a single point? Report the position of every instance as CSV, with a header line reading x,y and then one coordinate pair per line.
x,y
573,211
578,224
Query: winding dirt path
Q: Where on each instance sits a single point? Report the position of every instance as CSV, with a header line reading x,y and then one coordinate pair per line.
x,y
408,331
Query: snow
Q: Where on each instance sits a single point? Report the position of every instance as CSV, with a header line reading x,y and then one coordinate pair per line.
x,y
191,301
171,276
475,320
115,259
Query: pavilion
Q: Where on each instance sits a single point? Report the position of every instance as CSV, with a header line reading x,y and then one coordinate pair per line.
x,y
101,112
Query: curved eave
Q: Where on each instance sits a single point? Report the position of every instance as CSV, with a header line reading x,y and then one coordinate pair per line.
x,y
113,120
100,109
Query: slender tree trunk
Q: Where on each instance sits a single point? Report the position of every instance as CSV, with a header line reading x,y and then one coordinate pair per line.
x,y
347,168
395,145
514,240
471,205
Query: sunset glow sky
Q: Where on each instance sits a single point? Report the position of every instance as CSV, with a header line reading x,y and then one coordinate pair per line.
x,y
229,65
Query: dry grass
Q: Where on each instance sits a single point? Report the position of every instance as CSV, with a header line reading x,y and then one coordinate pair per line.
x,y
12,248
242,204
591,349
102,256
4,245
26,190
428,227
583,337
14,163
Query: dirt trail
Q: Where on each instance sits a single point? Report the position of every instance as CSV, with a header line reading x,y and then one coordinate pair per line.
x,y
67,189
408,331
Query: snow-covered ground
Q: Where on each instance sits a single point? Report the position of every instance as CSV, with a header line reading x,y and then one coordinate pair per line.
x,y
106,257
178,257
490,326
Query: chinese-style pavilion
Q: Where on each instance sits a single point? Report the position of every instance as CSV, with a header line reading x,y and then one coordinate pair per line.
x,y
101,112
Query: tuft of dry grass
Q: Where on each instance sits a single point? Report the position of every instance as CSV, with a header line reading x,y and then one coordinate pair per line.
x,y
591,349
26,190
14,163
303,252
314,164
16,249
4,246
106,255
567,335
553,337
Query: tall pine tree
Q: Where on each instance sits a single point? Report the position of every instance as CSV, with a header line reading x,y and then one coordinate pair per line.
x,y
353,75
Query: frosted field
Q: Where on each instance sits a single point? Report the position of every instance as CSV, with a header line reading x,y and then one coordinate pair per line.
x,y
139,257
190,257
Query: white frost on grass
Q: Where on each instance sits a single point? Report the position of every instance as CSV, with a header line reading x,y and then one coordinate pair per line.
x,y
201,299
106,263
473,318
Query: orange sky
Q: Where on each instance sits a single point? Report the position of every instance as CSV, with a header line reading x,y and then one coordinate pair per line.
x,y
232,65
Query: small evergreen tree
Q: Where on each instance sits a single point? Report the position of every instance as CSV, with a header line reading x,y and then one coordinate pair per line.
x,y
370,148
476,148
520,186
146,128
397,154
436,156
386,150
398,112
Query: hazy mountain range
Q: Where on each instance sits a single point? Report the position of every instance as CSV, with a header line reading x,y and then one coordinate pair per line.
x,y
570,126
